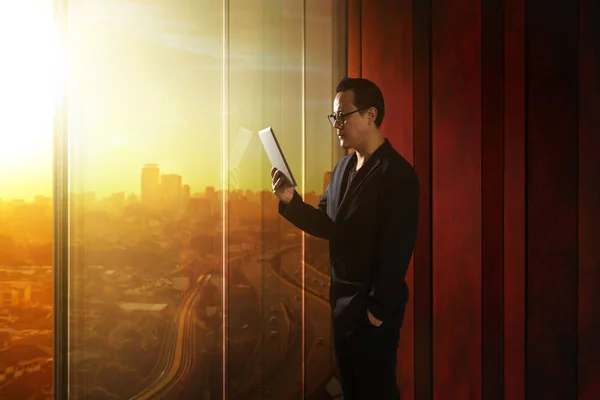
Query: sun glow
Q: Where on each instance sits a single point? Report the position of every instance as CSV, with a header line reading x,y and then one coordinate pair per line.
x,y
32,73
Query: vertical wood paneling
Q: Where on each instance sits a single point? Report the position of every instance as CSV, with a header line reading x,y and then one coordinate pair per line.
x,y
387,33
422,121
552,168
492,114
456,207
354,38
589,200
389,65
506,186
514,200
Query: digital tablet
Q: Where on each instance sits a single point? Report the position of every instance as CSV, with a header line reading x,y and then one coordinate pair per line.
x,y
276,157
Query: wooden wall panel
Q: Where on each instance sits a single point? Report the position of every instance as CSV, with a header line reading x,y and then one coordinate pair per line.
x,y
354,38
505,142
514,200
390,64
423,267
552,167
492,137
589,200
456,186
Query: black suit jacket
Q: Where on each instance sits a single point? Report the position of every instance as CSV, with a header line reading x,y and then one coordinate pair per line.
x,y
371,233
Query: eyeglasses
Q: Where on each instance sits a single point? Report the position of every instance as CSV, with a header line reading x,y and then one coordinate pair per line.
x,y
340,117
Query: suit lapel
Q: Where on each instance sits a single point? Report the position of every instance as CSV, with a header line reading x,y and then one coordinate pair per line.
x,y
344,199
337,189
344,175
361,176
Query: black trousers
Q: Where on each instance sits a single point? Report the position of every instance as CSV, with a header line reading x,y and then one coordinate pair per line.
x,y
366,360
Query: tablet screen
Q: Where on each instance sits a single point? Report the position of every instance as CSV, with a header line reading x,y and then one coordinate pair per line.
x,y
276,157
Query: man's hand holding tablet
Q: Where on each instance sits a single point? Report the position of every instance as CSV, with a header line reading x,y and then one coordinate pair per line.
x,y
283,181
282,188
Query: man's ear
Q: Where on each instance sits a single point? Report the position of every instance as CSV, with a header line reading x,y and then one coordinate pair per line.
x,y
372,113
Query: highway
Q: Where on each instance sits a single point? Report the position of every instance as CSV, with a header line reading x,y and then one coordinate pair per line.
x,y
178,355
275,371
318,361
273,347
282,378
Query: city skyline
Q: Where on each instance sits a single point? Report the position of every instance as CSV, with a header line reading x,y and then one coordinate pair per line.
x,y
157,95
159,176
150,83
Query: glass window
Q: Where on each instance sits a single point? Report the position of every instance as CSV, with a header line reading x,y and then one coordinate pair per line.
x,y
27,93
183,279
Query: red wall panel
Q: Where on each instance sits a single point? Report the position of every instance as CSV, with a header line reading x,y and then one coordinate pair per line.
x,y
387,34
514,200
509,189
354,38
456,186
422,123
589,200
492,200
552,151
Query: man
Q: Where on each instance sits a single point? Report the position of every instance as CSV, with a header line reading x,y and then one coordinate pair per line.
x,y
369,215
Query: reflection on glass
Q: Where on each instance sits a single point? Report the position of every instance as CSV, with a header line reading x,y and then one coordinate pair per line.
x,y
145,128
184,284
321,77
27,93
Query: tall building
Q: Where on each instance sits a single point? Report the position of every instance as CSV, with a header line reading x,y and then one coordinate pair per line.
x,y
150,185
210,193
212,196
186,192
14,293
117,200
172,190
186,195
132,198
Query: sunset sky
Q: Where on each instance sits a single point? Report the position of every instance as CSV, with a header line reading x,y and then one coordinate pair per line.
x,y
146,87
26,97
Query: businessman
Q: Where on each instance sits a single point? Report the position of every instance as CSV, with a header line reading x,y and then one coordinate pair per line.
x,y
368,214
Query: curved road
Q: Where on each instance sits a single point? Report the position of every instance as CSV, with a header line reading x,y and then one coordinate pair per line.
x,y
178,356
281,370
318,356
286,381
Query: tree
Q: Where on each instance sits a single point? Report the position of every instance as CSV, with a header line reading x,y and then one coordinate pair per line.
x,y
131,354
117,378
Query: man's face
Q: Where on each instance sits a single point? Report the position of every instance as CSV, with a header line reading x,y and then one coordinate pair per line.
x,y
353,132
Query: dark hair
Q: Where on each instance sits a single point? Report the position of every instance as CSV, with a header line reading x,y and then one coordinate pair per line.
x,y
366,94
